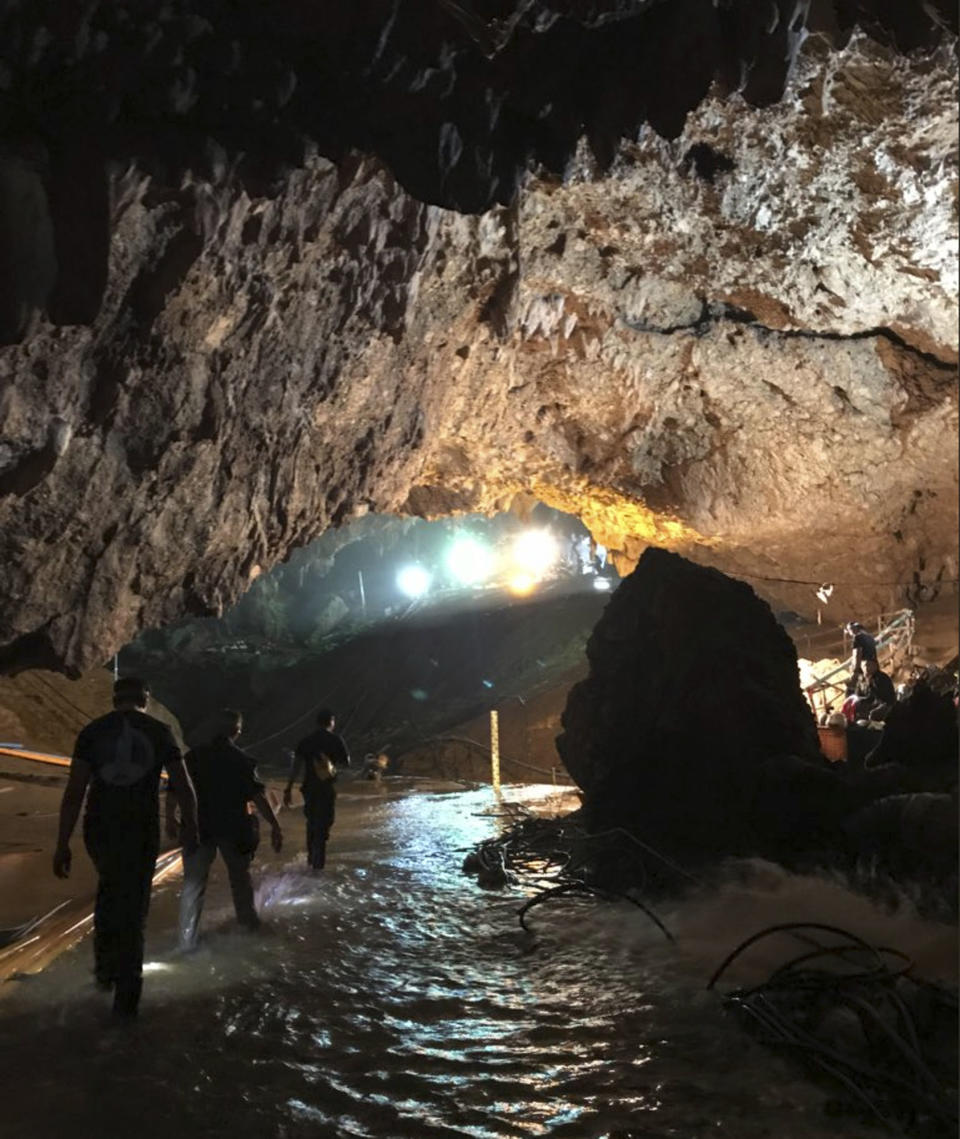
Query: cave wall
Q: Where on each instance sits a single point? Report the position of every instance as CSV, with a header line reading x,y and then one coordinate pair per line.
x,y
749,363
738,341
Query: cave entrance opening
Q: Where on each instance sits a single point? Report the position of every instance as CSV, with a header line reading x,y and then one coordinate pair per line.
x,y
414,629
385,569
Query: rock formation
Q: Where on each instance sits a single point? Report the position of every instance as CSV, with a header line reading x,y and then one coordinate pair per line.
x,y
705,295
692,702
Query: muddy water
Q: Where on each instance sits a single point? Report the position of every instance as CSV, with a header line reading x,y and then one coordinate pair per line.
x,y
391,998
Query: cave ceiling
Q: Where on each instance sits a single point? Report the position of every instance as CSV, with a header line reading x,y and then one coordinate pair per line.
x,y
685,269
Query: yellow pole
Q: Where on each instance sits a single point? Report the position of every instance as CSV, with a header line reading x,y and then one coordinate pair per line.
x,y
495,750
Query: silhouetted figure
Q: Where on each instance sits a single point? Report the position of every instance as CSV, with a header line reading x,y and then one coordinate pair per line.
x,y
225,780
876,693
375,767
319,754
118,759
864,647
920,736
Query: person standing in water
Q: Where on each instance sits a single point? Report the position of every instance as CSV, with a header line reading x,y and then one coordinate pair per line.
x,y
226,782
319,754
117,761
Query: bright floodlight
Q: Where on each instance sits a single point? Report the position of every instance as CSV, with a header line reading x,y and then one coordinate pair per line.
x,y
602,583
535,551
469,561
413,581
522,584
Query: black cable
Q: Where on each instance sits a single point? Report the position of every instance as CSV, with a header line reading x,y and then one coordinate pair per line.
x,y
787,927
893,1079
840,951
584,890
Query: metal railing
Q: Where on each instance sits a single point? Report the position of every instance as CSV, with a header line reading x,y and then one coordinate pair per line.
x,y
896,635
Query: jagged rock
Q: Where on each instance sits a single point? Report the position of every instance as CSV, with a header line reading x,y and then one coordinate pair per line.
x,y
327,619
693,693
736,337
920,738
909,835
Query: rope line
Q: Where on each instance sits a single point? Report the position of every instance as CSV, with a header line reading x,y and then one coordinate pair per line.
x,y
864,582
84,716
299,720
480,747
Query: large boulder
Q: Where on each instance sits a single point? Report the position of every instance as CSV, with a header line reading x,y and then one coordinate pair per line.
x,y
692,694
910,836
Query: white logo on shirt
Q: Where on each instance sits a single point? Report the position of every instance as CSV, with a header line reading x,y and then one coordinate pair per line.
x,y
133,758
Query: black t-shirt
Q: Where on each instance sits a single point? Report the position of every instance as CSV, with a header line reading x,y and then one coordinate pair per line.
x,y
225,780
866,644
126,752
882,689
314,747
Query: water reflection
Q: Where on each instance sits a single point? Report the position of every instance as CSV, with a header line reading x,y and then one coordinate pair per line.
x,y
392,998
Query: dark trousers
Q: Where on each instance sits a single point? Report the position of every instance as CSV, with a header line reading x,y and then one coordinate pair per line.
x,y
196,870
319,811
125,859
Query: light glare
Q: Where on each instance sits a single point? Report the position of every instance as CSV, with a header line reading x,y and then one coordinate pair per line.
x,y
413,581
469,561
535,551
521,584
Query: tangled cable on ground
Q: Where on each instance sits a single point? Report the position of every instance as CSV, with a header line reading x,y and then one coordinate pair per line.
x,y
854,1012
849,1010
579,889
559,858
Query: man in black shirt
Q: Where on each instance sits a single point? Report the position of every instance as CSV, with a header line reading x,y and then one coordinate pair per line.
x,y
225,780
320,754
864,647
876,694
117,763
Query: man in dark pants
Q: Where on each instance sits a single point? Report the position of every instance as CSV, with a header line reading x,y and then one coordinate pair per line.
x,y
119,757
864,648
320,754
876,694
225,780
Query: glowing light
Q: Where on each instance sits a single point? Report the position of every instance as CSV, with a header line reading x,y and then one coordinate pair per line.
x,y
469,561
413,581
535,551
521,584
603,584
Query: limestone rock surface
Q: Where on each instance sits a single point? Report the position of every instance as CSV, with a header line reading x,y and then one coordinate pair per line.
x,y
736,337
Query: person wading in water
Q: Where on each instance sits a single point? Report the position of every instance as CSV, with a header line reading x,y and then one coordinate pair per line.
x,y
320,754
118,759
